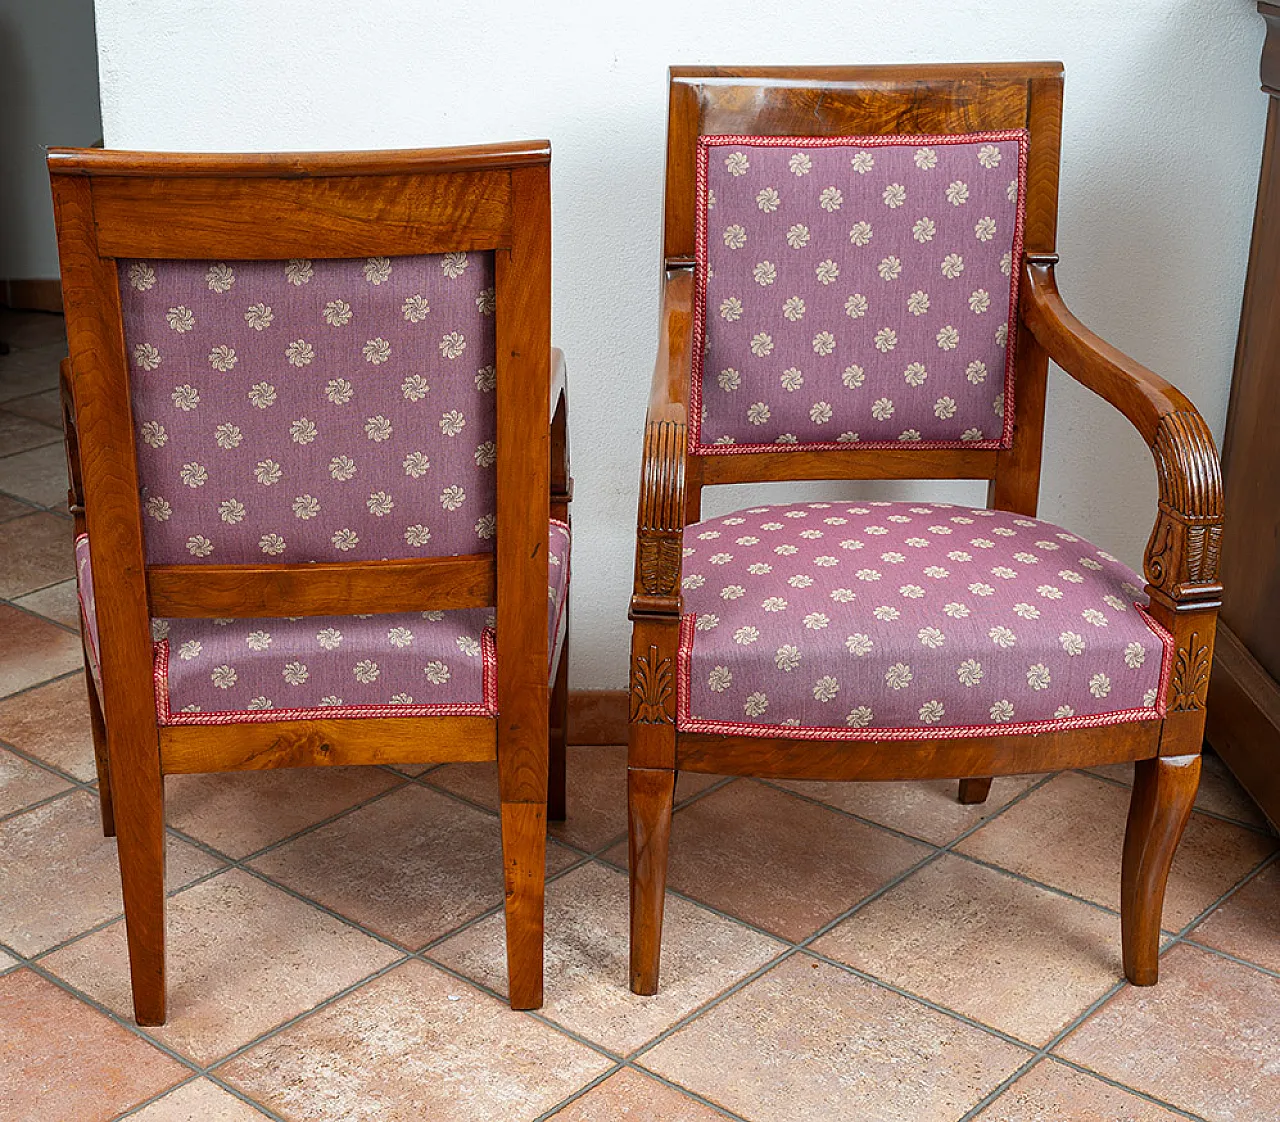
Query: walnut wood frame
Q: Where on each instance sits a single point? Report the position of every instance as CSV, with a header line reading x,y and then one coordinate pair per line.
x,y
1181,559
160,205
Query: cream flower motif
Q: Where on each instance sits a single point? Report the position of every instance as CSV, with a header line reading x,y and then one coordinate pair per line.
x,y
146,357
1038,676
1049,592
758,413
337,313
944,408
915,374
1134,656
720,679
956,610
158,508
894,196
825,688
377,351
890,268
860,233
1090,563
931,712
452,422
976,371
1115,602
400,637
1001,712
882,410
330,638
745,636
468,646
331,699
345,540
220,278
1011,192
1006,263
820,413
194,475
142,277
831,199
366,671
342,468
1099,685
1149,697
735,236
487,525
258,640
453,265
862,162
979,301
224,677
451,498
153,435
1002,637
798,236
800,164
816,621
377,270
379,504
853,376
185,397
952,266
298,271
736,163
756,704
417,535
729,379
231,511
415,309
1071,576
858,644
296,673
1026,611
948,338
969,672
761,344
859,717
228,436
414,388
306,507
271,544
731,309
827,271
302,431
1072,643
732,592
886,339
1002,335
774,604
486,454
898,676
786,658
1095,617
924,230
377,429
199,546
791,379
300,353
768,200
159,630
437,672
824,343
930,637
181,319
452,344
765,273
985,230
886,613
339,391
989,156
486,379
856,306
918,302
259,316
926,159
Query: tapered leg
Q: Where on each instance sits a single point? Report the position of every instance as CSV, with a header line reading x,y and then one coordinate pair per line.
x,y
974,791
556,777
524,856
1164,789
650,794
138,806
99,729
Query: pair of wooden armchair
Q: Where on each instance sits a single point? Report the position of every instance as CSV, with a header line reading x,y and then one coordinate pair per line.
x,y
324,385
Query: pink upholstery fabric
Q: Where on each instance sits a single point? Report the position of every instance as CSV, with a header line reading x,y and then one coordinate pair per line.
x,y
856,289
407,664
909,621
313,410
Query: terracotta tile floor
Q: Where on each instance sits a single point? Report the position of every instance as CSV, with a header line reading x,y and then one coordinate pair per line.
x,y
872,952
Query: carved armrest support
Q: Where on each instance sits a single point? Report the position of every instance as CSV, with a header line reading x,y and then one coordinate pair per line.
x,y
660,520
561,477
1181,560
71,444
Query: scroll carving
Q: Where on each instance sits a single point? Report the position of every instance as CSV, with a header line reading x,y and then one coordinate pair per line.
x,y
1190,675
651,687
1182,555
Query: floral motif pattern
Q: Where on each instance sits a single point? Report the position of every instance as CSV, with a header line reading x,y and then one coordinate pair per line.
x,y
855,290
279,406
894,620
407,664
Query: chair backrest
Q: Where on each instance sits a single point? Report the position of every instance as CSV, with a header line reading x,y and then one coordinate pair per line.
x,y
857,236
311,384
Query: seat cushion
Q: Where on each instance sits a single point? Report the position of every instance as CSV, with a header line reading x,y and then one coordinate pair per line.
x,y
909,621
408,664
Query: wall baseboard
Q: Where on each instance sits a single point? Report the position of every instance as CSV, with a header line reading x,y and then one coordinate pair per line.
x,y
597,716
31,294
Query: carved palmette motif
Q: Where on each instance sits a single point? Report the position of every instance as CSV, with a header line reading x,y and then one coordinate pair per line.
x,y
1190,675
1182,555
651,687
659,564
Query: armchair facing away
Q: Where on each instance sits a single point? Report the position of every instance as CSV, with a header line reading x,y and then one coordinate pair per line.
x,y
310,406
859,284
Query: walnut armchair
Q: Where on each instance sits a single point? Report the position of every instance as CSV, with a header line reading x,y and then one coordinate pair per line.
x,y
859,284
317,445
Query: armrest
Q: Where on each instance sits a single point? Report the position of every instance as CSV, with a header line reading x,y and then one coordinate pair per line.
x,y
1182,555
660,520
71,445
561,478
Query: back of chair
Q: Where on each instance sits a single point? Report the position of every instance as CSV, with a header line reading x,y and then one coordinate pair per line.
x,y
311,385
858,236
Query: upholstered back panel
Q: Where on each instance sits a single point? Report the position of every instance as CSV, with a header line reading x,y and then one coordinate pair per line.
x,y
338,410
856,289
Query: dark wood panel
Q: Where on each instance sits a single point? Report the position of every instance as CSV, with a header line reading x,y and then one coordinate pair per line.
x,y
868,463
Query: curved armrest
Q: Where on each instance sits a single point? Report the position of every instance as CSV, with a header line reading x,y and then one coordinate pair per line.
x,y
1182,556
660,520
561,477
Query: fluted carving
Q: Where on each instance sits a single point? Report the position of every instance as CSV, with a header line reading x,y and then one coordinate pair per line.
x,y
661,517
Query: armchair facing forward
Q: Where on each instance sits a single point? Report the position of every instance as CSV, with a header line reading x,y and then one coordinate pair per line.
x,y
312,405
859,285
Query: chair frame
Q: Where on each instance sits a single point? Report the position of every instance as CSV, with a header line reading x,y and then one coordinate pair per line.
x,y
113,205
1181,560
